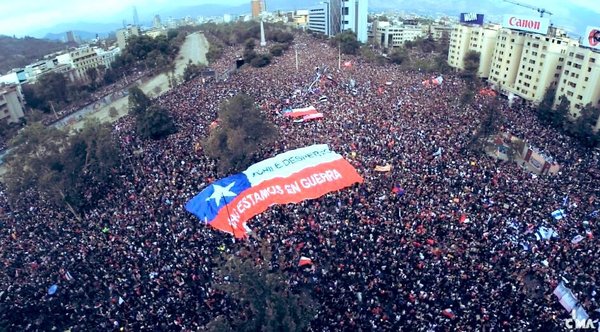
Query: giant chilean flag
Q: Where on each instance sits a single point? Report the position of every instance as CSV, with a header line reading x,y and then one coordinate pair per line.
x,y
290,177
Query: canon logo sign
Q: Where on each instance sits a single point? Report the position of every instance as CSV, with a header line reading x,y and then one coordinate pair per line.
x,y
529,24
526,23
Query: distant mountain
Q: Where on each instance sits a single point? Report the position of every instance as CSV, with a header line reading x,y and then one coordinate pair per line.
x,y
83,35
18,52
85,27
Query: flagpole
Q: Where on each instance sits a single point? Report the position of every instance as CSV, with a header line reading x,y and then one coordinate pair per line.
x,y
339,56
296,50
229,217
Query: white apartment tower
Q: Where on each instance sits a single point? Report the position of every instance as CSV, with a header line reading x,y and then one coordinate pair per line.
x,y
580,79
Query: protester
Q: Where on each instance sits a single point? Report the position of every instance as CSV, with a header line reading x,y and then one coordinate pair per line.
x,y
438,243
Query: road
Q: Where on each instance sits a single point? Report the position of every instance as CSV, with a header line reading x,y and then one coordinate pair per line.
x,y
194,48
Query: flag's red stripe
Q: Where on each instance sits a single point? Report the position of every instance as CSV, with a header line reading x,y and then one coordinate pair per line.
x,y
293,189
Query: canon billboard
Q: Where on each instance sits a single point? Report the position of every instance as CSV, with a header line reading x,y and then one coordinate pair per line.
x,y
591,38
471,18
526,23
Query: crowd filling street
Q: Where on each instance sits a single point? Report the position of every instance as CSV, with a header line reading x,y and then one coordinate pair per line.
x,y
441,242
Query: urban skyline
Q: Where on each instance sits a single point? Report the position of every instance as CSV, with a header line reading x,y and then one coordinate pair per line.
x,y
51,15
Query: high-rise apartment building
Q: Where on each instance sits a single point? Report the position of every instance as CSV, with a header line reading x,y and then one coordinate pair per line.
x,y
257,7
580,78
481,39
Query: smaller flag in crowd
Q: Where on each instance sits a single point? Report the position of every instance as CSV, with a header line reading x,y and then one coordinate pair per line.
x,y
348,64
464,219
304,261
448,313
578,238
385,168
558,214
323,99
545,233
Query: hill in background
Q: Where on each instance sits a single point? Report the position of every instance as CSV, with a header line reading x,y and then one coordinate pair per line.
x,y
18,52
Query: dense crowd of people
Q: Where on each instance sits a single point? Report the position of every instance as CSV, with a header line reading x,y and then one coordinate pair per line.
x,y
393,253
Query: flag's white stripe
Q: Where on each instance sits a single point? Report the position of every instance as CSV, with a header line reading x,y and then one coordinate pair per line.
x,y
290,162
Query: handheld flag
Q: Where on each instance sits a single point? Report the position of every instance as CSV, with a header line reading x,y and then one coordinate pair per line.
x,y
559,214
304,261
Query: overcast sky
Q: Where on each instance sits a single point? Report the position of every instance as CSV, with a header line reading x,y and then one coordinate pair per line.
x,y
20,17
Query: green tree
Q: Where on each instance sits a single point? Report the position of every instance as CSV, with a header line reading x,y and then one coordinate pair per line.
x,y
192,70
544,108
399,56
471,67
276,50
92,74
240,134
560,116
138,101
59,167
583,126
155,123
261,60
347,42
271,304
113,112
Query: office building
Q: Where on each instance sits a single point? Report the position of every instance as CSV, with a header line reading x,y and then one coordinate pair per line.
x,y
124,34
11,103
389,36
335,16
319,19
354,17
156,23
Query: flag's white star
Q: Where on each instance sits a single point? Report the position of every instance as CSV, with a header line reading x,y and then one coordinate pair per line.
x,y
221,192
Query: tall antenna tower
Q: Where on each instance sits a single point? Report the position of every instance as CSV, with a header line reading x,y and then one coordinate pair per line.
x,y
136,20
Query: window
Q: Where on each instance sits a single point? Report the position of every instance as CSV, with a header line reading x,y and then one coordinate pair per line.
x,y
579,56
345,11
592,60
579,97
569,93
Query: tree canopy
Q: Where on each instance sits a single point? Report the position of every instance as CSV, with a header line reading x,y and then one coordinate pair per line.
x,y
241,132
347,42
268,302
155,123
62,168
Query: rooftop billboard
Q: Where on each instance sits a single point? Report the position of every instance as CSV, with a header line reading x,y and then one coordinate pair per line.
x,y
471,18
526,23
591,38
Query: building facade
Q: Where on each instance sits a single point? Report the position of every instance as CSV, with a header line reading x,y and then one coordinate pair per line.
x,y
580,79
257,7
335,16
481,39
319,19
390,36
124,34
11,103
354,17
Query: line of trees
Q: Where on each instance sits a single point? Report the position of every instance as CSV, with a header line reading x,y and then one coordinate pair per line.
x,y
66,169
246,33
580,127
54,90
